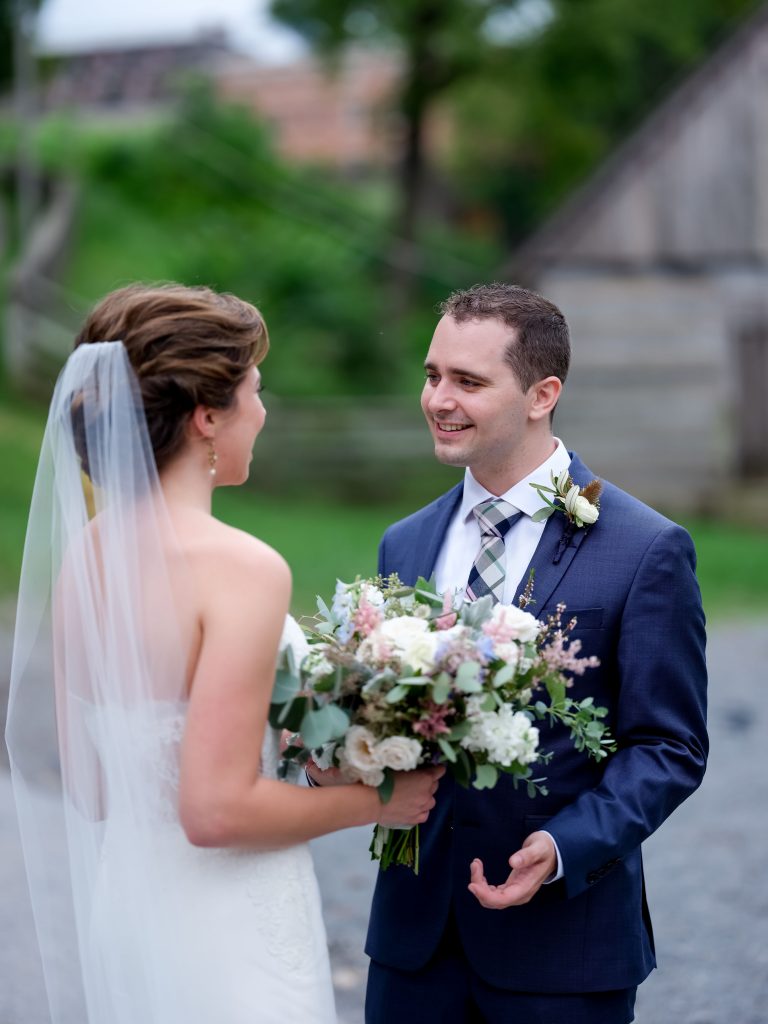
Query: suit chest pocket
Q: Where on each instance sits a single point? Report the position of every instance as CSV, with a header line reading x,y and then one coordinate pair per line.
x,y
586,618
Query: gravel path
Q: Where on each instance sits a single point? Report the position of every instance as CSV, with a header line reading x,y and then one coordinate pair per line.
x,y
706,870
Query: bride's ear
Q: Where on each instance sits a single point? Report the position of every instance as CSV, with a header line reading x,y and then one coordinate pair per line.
x,y
202,422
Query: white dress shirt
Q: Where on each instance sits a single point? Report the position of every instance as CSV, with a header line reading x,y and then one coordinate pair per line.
x,y
462,538
462,543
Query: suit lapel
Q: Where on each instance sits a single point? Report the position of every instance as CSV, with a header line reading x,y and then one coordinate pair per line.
x,y
431,533
557,548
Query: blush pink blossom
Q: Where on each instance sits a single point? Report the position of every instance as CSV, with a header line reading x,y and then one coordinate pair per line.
x,y
449,616
432,722
366,618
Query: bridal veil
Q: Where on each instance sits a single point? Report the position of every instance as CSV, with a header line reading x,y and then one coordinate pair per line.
x,y
101,651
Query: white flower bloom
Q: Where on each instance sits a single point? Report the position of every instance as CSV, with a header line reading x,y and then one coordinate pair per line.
x,y
359,759
513,623
399,753
411,640
316,664
293,638
571,498
507,652
506,736
584,511
372,595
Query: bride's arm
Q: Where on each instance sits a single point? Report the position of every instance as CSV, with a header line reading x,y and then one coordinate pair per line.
x,y
223,799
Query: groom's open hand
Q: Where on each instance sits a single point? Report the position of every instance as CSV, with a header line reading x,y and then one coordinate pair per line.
x,y
531,866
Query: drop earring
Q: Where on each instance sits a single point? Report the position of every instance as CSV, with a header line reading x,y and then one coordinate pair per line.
x,y
213,458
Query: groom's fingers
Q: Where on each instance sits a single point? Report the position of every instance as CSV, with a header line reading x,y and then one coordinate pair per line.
x,y
531,866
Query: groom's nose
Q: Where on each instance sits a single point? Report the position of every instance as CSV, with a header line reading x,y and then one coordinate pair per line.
x,y
439,397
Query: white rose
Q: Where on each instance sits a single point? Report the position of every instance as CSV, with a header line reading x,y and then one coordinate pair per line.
x,y
400,629
412,641
399,753
359,759
515,623
584,511
420,653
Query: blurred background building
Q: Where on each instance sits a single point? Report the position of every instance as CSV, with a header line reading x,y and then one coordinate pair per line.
x,y
660,262
615,161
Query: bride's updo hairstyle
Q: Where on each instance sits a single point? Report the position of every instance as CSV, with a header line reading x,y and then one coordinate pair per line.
x,y
187,347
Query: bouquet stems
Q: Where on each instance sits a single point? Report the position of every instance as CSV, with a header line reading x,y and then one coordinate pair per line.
x,y
396,846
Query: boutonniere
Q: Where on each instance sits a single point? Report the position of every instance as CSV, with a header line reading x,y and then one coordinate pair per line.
x,y
581,505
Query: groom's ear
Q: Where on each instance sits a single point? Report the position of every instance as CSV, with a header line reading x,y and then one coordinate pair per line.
x,y
202,421
543,397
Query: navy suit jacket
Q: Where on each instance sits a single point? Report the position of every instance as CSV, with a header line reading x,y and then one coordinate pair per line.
x,y
630,581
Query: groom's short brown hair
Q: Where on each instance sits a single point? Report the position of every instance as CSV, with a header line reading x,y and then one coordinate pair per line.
x,y
541,345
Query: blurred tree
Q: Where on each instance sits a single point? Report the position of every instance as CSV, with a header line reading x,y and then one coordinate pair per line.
x,y
547,106
441,42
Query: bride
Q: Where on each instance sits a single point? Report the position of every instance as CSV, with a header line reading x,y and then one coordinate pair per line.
x,y
192,896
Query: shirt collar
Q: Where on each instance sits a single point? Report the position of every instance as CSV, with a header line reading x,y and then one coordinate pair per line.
x,y
522,496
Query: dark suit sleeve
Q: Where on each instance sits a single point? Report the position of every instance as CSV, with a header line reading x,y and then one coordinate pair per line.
x,y
660,720
383,557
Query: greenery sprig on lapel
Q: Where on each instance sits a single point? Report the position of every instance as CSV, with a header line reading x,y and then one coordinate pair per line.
x,y
580,505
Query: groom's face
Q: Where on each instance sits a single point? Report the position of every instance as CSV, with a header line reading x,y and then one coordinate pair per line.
x,y
472,399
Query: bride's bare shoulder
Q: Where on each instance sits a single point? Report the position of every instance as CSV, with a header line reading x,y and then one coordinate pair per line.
x,y
213,546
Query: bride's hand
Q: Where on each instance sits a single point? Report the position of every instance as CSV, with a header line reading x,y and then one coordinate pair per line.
x,y
413,797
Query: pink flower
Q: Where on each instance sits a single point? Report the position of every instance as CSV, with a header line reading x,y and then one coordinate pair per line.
x,y
510,623
449,616
366,618
432,721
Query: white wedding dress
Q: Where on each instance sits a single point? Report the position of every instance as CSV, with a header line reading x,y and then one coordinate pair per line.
x,y
153,929
233,936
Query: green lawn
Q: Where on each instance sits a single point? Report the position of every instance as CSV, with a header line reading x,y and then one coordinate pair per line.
x,y
323,540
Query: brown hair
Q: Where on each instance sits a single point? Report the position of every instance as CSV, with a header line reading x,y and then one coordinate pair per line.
x,y
541,346
187,346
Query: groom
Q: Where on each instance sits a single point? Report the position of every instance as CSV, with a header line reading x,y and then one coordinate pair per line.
x,y
565,938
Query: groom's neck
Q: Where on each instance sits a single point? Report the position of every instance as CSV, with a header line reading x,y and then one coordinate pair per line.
x,y
498,478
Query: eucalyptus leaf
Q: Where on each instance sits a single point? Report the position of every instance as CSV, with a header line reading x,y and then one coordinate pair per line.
x,y
287,685
543,513
323,725
489,702
460,730
387,787
291,715
475,613
463,768
504,675
467,678
396,694
441,690
486,777
447,749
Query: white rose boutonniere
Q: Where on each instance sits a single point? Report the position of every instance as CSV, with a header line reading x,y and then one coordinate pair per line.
x,y
581,505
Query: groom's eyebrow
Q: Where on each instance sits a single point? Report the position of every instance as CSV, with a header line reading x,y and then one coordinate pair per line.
x,y
456,371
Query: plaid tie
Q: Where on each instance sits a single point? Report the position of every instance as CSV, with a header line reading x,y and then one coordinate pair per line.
x,y
494,517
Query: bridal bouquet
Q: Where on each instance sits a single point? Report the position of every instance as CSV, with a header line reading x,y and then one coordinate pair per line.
x,y
398,677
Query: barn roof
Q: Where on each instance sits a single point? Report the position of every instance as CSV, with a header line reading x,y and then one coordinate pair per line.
x,y
690,185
